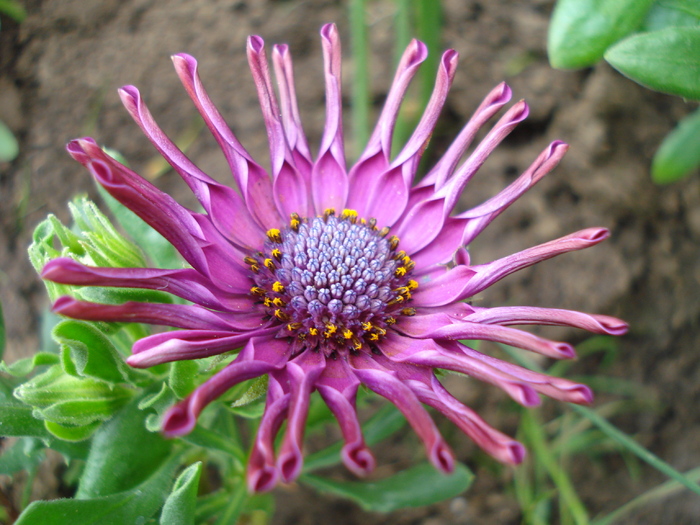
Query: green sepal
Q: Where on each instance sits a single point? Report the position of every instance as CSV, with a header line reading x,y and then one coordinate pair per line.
x,y
667,60
72,433
679,153
179,508
87,352
62,398
581,30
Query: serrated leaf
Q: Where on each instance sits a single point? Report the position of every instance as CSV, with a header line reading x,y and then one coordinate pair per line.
x,y
667,60
581,30
667,13
179,508
123,454
679,153
418,486
131,506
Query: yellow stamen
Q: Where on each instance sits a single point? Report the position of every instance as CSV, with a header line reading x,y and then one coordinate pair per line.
x,y
400,271
412,285
349,214
270,265
293,326
380,331
373,337
347,333
294,221
279,314
390,320
400,255
277,287
256,290
313,331
393,242
274,235
277,253
278,302
249,260
328,212
408,311
267,302
383,232
367,326
254,268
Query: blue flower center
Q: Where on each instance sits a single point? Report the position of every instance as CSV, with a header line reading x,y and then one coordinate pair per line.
x,y
335,283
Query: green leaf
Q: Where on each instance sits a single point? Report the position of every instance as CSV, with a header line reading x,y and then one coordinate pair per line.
x,y
123,454
667,13
17,420
418,486
24,454
667,60
70,432
183,377
679,153
581,30
133,506
13,9
179,508
9,148
24,367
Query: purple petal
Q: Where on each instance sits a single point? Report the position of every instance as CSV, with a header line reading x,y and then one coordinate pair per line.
x,y
453,188
516,315
490,273
188,344
302,374
338,387
289,187
481,216
158,209
252,179
387,385
496,444
443,248
427,353
329,176
495,100
262,474
191,317
260,356
444,289
375,157
185,283
225,207
500,334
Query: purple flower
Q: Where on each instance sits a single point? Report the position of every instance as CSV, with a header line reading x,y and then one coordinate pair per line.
x,y
329,278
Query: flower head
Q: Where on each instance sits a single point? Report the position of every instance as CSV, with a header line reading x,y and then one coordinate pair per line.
x,y
328,278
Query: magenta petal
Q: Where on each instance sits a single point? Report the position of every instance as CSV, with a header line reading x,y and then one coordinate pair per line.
x,y
329,177
289,186
516,315
387,385
167,347
490,273
260,356
262,474
302,374
443,169
186,283
253,180
158,209
444,247
191,317
225,207
444,289
338,387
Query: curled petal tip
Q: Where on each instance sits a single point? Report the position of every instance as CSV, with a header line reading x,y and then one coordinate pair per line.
x,y
520,111
62,305
565,350
449,61
329,31
443,458
502,93
613,326
358,459
280,49
516,453
262,479
581,395
289,465
594,235
418,52
255,43
178,420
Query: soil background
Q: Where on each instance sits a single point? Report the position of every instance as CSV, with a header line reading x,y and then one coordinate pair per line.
x,y
59,71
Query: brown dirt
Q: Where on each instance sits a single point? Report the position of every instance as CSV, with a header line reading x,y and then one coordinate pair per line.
x,y
59,72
